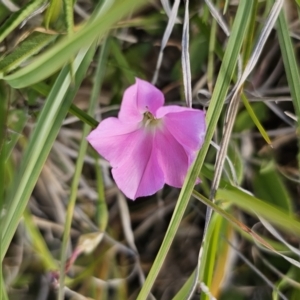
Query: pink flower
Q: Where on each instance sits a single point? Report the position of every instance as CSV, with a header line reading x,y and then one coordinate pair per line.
x,y
149,144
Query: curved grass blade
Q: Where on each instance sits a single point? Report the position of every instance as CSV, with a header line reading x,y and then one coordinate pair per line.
x,y
167,33
255,206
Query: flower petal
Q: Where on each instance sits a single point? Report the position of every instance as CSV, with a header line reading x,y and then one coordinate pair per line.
x,y
172,156
130,151
140,174
114,140
139,98
187,125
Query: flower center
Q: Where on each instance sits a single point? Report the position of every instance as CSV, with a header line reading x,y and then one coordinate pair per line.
x,y
150,121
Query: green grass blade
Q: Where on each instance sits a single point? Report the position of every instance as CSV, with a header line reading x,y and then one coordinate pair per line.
x,y
208,258
269,186
3,132
20,119
3,293
102,214
50,61
212,117
290,62
122,61
3,116
83,116
291,66
18,17
255,206
52,12
255,119
68,13
42,139
38,242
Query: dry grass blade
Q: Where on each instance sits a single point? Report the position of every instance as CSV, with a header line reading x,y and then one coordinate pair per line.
x,y
230,163
10,5
165,38
233,107
270,22
276,234
217,16
125,217
185,58
167,8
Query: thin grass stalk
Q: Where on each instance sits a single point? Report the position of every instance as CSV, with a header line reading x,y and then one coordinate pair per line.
x,y
102,211
69,22
73,196
211,55
3,132
3,135
166,36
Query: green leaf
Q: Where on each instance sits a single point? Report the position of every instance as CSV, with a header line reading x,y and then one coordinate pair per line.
x,y
38,242
122,61
29,47
16,122
269,186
